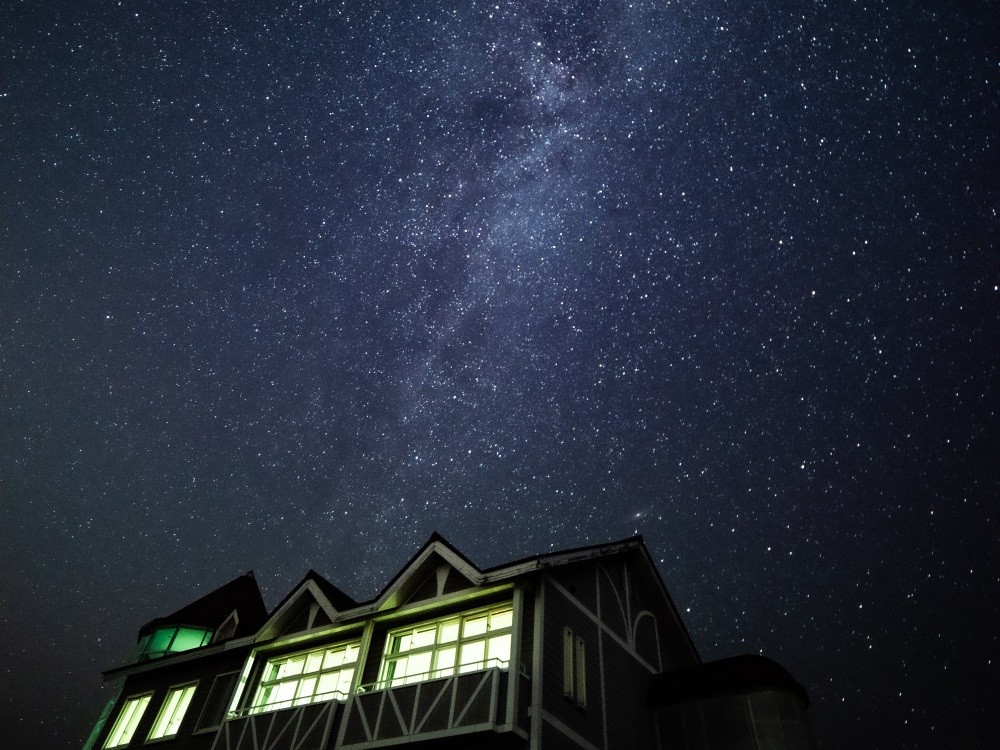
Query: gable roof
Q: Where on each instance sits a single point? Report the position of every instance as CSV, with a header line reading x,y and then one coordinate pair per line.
x,y
312,586
435,552
210,611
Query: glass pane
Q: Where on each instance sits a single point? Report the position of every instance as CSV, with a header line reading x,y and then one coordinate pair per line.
x,y
327,685
474,626
424,637
350,654
419,664
160,640
501,620
472,656
401,643
333,659
187,639
292,667
498,652
305,692
449,631
445,662
283,694
121,733
344,681
314,661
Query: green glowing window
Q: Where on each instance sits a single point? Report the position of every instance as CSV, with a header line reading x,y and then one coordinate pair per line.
x,y
453,645
128,719
170,640
175,705
324,674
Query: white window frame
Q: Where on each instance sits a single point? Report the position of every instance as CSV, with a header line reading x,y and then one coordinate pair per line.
x,y
131,713
574,668
283,671
448,646
172,712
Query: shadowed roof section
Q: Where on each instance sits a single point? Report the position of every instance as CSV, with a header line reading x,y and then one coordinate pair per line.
x,y
338,598
740,674
241,594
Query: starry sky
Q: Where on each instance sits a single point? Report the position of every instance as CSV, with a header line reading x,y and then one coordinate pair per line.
x,y
291,285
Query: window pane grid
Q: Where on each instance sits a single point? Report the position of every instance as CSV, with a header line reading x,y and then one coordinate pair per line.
x,y
466,643
127,721
175,705
321,675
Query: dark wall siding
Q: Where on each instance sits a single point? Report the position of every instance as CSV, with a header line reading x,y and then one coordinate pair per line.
x,y
159,681
560,612
626,685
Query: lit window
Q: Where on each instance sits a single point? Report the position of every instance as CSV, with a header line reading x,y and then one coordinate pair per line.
x,y
454,645
175,705
321,675
132,711
169,640
574,668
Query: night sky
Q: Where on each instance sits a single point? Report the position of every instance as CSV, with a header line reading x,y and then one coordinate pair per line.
x,y
292,285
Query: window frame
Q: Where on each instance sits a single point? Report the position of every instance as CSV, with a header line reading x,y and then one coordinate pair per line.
x,y
161,717
393,653
126,736
271,678
574,668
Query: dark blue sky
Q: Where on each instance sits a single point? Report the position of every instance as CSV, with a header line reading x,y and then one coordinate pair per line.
x,y
292,285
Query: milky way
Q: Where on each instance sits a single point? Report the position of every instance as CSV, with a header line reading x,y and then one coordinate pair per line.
x,y
292,285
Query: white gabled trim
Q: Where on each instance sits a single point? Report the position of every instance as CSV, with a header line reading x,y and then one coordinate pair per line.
x,y
535,710
388,597
268,629
600,624
551,561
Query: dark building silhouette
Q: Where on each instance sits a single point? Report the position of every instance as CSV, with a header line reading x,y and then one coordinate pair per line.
x,y
575,649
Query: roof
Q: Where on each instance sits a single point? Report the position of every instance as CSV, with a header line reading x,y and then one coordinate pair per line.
x,y
210,611
739,674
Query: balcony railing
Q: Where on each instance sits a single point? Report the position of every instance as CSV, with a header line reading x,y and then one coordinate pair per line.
x,y
309,726
457,704
333,695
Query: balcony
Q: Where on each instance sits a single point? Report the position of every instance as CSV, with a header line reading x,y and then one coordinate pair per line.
x,y
283,726
459,704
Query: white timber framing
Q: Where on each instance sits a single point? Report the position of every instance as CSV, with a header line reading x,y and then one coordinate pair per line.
x,y
536,667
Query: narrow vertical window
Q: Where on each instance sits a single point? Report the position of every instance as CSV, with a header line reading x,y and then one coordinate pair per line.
x,y
574,668
175,705
127,721
569,683
580,672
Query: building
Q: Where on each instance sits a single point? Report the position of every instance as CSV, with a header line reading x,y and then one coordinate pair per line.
x,y
575,649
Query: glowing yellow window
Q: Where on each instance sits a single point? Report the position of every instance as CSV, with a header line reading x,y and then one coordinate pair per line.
x,y
127,721
452,645
324,674
175,705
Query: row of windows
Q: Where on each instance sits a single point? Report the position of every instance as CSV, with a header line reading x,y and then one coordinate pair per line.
x,y
168,720
433,649
438,648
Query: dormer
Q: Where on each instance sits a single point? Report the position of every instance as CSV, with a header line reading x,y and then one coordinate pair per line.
x,y
232,610
436,570
313,603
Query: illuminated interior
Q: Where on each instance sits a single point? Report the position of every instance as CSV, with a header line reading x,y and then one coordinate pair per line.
x,y
172,639
127,721
175,705
451,645
320,675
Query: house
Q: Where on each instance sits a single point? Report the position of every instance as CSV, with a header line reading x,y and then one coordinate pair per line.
x,y
581,648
